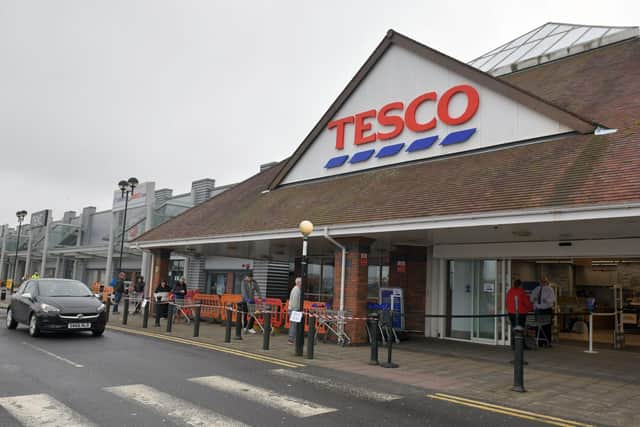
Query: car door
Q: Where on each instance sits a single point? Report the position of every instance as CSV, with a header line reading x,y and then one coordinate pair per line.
x,y
21,304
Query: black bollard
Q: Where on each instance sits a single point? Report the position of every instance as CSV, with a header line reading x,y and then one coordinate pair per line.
x,y
3,293
158,300
125,314
389,363
373,327
238,325
108,309
145,314
169,317
227,324
196,322
267,330
518,366
312,336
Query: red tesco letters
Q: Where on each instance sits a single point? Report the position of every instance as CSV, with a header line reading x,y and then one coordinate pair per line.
x,y
390,116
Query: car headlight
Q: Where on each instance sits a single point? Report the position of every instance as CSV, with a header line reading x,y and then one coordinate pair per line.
x,y
48,308
101,308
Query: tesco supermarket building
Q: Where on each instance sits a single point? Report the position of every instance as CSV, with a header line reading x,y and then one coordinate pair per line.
x,y
448,181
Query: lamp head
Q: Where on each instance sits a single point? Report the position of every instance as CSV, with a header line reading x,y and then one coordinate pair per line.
x,y
21,215
306,227
123,185
133,182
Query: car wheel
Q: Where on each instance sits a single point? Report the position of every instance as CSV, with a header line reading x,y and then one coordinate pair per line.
x,y
11,322
34,329
97,332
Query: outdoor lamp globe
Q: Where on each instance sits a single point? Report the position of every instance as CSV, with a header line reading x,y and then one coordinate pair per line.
x,y
306,227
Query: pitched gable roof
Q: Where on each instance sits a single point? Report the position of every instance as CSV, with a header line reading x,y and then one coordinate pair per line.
x,y
568,118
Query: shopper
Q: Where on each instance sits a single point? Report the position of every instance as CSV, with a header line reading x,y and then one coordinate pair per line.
x,y
138,288
118,289
250,290
180,291
162,291
517,312
543,299
294,305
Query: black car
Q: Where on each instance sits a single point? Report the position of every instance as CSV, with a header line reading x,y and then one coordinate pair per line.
x,y
56,305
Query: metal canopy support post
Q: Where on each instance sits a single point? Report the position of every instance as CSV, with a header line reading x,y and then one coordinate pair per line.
x,y
3,251
343,264
45,247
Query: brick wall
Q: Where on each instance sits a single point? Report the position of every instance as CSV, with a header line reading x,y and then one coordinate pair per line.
x,y
412,278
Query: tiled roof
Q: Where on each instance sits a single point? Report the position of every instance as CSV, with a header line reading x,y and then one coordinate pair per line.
x,y
578,170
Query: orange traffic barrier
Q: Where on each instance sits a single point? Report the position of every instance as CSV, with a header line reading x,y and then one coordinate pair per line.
x,y
210,306
308,306
233,299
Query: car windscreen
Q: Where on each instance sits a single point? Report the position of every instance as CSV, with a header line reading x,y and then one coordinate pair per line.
x,y
66,288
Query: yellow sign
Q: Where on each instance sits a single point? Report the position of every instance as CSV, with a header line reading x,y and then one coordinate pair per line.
x,y
9,283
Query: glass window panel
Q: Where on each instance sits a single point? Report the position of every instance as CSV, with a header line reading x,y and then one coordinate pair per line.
x,y
373,281
561,29
592,34
327,279
544,32
520,40
542,47
496,60
570,38
517,54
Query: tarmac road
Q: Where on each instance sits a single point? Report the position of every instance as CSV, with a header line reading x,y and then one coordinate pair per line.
x,y
128,380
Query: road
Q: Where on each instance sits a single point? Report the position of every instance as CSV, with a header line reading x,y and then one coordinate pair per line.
x,y
128,380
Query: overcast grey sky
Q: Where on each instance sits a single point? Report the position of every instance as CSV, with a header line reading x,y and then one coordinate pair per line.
x,y
172,91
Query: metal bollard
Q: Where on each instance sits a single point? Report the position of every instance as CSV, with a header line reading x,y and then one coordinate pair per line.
x,y
373,327
3,293
145,314
125,314
169,317
108,309
227,324
312,336
158,300
267,330
196,322
518,366
389,363
238,325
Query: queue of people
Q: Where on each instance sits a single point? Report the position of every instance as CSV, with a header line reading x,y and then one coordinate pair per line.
x,y
541,303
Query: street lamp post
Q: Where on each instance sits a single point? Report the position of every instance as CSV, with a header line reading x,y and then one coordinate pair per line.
x,y
21,215
306,228
126,187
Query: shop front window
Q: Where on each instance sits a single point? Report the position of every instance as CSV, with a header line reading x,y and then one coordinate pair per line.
x,y
319,284
378,277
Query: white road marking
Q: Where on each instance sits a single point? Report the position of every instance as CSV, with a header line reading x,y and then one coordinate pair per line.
x,y
42,410
60,358
328,384
292,405
182,411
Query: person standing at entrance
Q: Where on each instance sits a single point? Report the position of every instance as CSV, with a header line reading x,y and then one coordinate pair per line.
x,y
249,290
118,290
294,304
543,299
517,311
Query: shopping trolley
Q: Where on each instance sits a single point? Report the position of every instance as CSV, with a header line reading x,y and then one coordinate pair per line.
x,y
333,321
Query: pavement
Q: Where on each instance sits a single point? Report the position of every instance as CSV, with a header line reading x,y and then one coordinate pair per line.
x,y
127,379
562,381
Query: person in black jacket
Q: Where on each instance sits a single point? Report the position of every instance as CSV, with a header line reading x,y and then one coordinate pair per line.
x,y
118,290
162,291
138,288
180,290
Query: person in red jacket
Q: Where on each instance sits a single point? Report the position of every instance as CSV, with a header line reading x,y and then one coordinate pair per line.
x,y
523,307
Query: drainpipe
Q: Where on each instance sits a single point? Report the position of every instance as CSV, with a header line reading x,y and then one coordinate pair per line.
x,y
342,275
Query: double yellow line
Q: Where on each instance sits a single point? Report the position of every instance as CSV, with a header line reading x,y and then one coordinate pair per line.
x,y
546,419
235,352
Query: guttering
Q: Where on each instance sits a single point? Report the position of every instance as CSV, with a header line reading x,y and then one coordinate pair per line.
x,y
342,274
422,223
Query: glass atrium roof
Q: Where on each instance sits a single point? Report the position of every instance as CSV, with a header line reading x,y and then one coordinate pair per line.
x,y
548,42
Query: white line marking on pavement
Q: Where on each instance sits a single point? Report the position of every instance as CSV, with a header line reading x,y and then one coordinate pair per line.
x,y
62,359
42,410
182,411
292,405
328,384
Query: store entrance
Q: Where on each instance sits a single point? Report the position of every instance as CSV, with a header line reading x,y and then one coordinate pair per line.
x,y
477,288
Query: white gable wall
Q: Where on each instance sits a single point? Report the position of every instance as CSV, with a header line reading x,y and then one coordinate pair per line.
x,y
402,75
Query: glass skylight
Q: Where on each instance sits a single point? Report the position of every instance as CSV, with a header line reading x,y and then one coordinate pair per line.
x,y
548,42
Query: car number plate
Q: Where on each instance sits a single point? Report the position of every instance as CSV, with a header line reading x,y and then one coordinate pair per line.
x,y
82,325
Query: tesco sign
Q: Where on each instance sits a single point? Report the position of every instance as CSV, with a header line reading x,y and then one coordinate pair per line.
x,y
393,118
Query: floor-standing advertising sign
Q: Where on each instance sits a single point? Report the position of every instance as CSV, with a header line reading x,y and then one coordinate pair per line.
x,y
394,298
